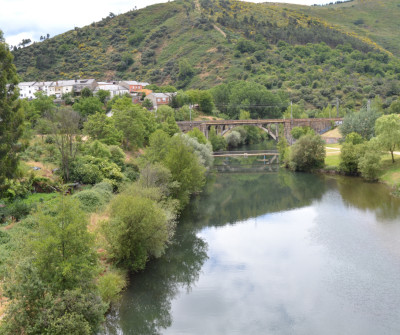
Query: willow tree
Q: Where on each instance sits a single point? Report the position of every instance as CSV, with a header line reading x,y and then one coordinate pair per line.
x,y
11,116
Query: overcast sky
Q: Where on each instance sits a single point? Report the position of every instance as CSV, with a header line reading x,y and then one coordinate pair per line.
x,y
31,19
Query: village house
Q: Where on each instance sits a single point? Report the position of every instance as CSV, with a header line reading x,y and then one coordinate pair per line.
x,y
27,90
159,99
114,88
60,87
133,86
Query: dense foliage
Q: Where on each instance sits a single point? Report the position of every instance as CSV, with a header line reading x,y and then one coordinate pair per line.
x,y
11,116
308,153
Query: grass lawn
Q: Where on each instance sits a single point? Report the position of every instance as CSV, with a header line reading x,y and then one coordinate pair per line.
x,y
336,145
333,160
390,172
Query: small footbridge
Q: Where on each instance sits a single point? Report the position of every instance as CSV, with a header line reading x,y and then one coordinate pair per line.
x,y
257,161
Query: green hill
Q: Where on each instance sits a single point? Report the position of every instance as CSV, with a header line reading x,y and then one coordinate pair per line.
x,y
190,44
377,20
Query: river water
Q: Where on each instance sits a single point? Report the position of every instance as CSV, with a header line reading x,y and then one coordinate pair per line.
x,y
274,253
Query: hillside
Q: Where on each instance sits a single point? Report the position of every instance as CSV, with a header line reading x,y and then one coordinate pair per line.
x,y
202,44
377,20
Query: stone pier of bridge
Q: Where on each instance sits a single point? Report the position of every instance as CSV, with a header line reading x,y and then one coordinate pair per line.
x,y
270,126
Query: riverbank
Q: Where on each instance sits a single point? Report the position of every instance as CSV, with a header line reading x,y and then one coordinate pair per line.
x,y
389,172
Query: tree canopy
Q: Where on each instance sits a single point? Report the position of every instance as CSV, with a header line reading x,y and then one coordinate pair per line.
x,y
11,116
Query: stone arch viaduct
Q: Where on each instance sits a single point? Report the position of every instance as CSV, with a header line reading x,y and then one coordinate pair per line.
x,y
271,126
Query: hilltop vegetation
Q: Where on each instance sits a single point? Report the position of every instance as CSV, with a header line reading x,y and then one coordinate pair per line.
x,y
377,20
202,44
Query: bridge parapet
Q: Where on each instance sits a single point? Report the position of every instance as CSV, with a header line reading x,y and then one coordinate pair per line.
x,y
271,126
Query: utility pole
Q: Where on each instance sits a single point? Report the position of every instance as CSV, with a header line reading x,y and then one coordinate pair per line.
x,y
337,106
190,115
369,105
291,110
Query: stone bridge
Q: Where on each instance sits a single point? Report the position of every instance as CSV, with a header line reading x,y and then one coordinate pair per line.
x,y
271,126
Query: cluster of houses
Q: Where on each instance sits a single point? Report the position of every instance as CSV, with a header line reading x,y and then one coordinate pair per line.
x,y
137,90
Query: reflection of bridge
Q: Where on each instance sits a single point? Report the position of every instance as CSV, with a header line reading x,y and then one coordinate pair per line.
x,y
271,126
267,160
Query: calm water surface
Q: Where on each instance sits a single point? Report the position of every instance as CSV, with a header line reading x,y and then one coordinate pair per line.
x,y
274,253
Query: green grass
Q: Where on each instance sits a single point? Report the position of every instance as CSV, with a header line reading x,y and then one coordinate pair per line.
x,y
39,198
337,145
331,161
390,172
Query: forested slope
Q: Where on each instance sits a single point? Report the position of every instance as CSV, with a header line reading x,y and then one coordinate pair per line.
x,y
201,44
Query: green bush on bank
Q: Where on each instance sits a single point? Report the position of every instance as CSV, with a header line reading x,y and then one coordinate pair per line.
x,y
308,153
94,198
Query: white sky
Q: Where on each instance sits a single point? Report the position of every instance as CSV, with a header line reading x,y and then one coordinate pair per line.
x,y
31,19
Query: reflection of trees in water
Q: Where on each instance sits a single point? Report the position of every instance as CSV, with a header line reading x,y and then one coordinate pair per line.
x,y
236,197
146,306
369,196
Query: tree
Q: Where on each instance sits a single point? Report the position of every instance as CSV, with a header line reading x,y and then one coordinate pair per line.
x,y
283,148
138,229
185,69
65,128
202,150
147,103
185,169
88,106
387,129
295,112
43,103
11,116
197,133
206,104
307,153
64,249
218,142
350,155
362,122
181,159
86,92
163,112
52,288
101,127
103,95
170,126
369,163
298,132
233,139
394,107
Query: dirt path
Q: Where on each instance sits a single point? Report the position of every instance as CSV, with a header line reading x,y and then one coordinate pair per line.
x,y
220,30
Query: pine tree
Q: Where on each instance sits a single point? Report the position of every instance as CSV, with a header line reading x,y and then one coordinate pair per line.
x,y
11,116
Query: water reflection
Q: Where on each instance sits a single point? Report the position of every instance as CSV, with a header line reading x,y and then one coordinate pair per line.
x,y
229,198
146,305
274,254
371,197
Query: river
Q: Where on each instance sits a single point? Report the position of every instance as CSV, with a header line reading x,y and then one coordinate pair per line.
x,y
274,253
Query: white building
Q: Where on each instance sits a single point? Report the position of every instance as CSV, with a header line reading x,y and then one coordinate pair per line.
x,y
113,88
27,90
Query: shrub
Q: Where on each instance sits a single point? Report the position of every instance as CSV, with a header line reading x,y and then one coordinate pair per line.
x,y
307,153
139,229
89,200
370,164
233,139
110,286
18,209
